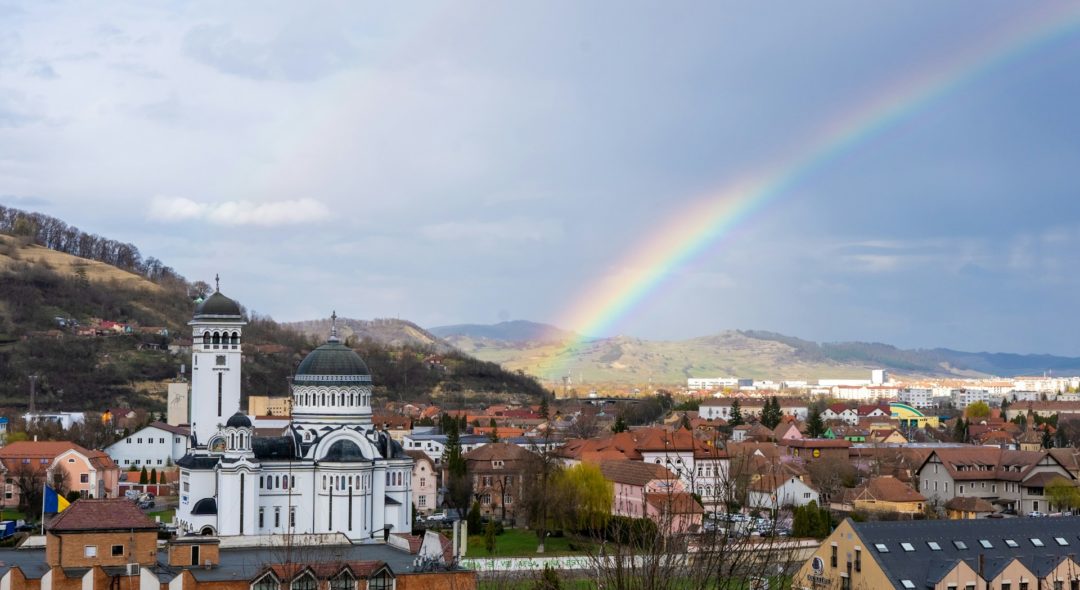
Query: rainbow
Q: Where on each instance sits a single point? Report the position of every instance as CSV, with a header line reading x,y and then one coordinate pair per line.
x,y
705,221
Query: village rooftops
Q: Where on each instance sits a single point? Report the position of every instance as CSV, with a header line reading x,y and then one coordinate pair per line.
x,y
635,473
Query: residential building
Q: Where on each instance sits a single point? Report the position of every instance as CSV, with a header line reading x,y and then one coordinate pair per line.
x,y
90,473
721,408
425,483
264,405
961,508
499,472
632,480
31,462
1003,554
772,492
886,494
155,446
917,397
1011,480
64,419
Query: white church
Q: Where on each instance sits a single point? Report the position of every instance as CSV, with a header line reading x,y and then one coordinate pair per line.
x,y
329,471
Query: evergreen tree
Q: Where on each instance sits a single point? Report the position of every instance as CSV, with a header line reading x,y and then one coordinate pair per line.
x,y
144,477
493,436
489,536
770,414
736,414
474,518
815,426
545,410
960,430
1005,408
685,422
619,425
153,476
161,478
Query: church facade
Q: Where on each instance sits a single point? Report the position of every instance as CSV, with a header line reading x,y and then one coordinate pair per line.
x,y
329,471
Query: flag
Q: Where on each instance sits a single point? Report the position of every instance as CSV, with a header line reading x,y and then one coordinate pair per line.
x,y
54,502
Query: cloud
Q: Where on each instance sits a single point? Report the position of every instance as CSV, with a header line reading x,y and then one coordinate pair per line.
x,y
291,212
295,53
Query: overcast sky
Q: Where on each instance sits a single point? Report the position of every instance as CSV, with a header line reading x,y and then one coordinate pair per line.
x,y
472,162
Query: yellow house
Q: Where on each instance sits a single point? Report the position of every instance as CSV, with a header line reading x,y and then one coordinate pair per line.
x,y
1013,554
964,508
887,494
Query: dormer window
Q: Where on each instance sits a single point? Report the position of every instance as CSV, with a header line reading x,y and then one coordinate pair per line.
x,y
304,582
497,464
344,581
267,582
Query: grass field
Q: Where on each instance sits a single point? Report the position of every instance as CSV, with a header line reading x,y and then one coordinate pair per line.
x,y
519,543
166,515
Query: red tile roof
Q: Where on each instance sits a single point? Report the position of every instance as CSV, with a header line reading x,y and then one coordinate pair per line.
x,y
635,473
101,515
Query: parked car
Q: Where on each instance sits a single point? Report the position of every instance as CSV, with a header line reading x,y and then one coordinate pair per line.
x,y
437,517
144,504
1035,514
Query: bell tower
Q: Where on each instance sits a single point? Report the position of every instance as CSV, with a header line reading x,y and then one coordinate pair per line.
x,y
216,329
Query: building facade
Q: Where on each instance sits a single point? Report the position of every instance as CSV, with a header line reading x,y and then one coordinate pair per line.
x,y
155,446
328,471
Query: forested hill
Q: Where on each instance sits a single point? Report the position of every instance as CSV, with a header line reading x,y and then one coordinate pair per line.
x,y
97,335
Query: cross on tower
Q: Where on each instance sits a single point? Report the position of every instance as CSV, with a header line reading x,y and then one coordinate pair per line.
x,y
333,325
217,283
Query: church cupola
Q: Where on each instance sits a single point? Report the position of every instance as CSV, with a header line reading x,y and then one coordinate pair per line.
x,y
332,384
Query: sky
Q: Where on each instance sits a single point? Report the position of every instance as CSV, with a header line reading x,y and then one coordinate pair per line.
x,y
472,162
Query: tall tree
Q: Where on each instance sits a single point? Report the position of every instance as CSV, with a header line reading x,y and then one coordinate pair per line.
x,y
619,425
815,426
493,434
736,414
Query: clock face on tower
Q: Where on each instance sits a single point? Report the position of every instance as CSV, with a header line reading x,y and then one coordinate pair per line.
x,y
217,445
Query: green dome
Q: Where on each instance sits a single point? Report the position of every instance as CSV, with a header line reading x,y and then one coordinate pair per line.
x,y
332,363
218,305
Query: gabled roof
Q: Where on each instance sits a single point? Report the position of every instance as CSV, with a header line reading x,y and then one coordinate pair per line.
x,y
101,515
674,503
498,451
888,489
635,473
979,463
965,504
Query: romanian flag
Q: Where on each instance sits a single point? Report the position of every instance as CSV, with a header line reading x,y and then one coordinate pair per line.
x,y
54,502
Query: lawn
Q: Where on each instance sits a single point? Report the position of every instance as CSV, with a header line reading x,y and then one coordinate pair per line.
x,y
8,514
522,543
166,515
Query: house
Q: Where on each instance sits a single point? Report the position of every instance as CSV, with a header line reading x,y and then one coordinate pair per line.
x,y
29,463
425,484
1011,480
499,472
886,494
721,408
786,431
840,413
1014,554
961,508
155,446
809,449
887,436
772,492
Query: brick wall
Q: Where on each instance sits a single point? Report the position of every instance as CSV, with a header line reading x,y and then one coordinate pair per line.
x,y
69,549
180,554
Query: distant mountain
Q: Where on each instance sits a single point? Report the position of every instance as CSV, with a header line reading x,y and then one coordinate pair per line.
x,y
554,354
513,331
385,331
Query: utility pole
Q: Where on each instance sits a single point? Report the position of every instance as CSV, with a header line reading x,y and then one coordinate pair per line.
x,y
33,391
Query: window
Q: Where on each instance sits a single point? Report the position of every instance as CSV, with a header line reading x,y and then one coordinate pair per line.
x,y
881,547
292,516
1061,541
267,582
343,582
84,478
261,517
422,501
90,551
1037,542
858,559
1023,586
383,581
194,555
304,582
219,360
117,550
1006,586
1011,543
959,545
277,516
140,441
986,544
907,583
832,556
907,547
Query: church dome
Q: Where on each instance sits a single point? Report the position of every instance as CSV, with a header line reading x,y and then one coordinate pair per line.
x,y
239,420
332,363
218,306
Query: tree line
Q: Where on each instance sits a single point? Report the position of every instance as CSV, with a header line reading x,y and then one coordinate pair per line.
x,y
55,234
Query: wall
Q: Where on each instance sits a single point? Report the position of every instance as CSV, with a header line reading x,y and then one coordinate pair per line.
x,y
846,541
67,549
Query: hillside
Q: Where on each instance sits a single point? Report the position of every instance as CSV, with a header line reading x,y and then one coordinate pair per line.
x,y
99,336
747,354
389,332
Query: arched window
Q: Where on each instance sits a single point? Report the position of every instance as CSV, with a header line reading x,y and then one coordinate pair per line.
x,y
232,441
304,582
342,399
217,338
324,482
206,338
235,338
323,402
241,441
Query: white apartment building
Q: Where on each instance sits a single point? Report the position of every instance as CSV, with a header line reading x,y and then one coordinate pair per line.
x,y
917,397
711,382
962,398
156,445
